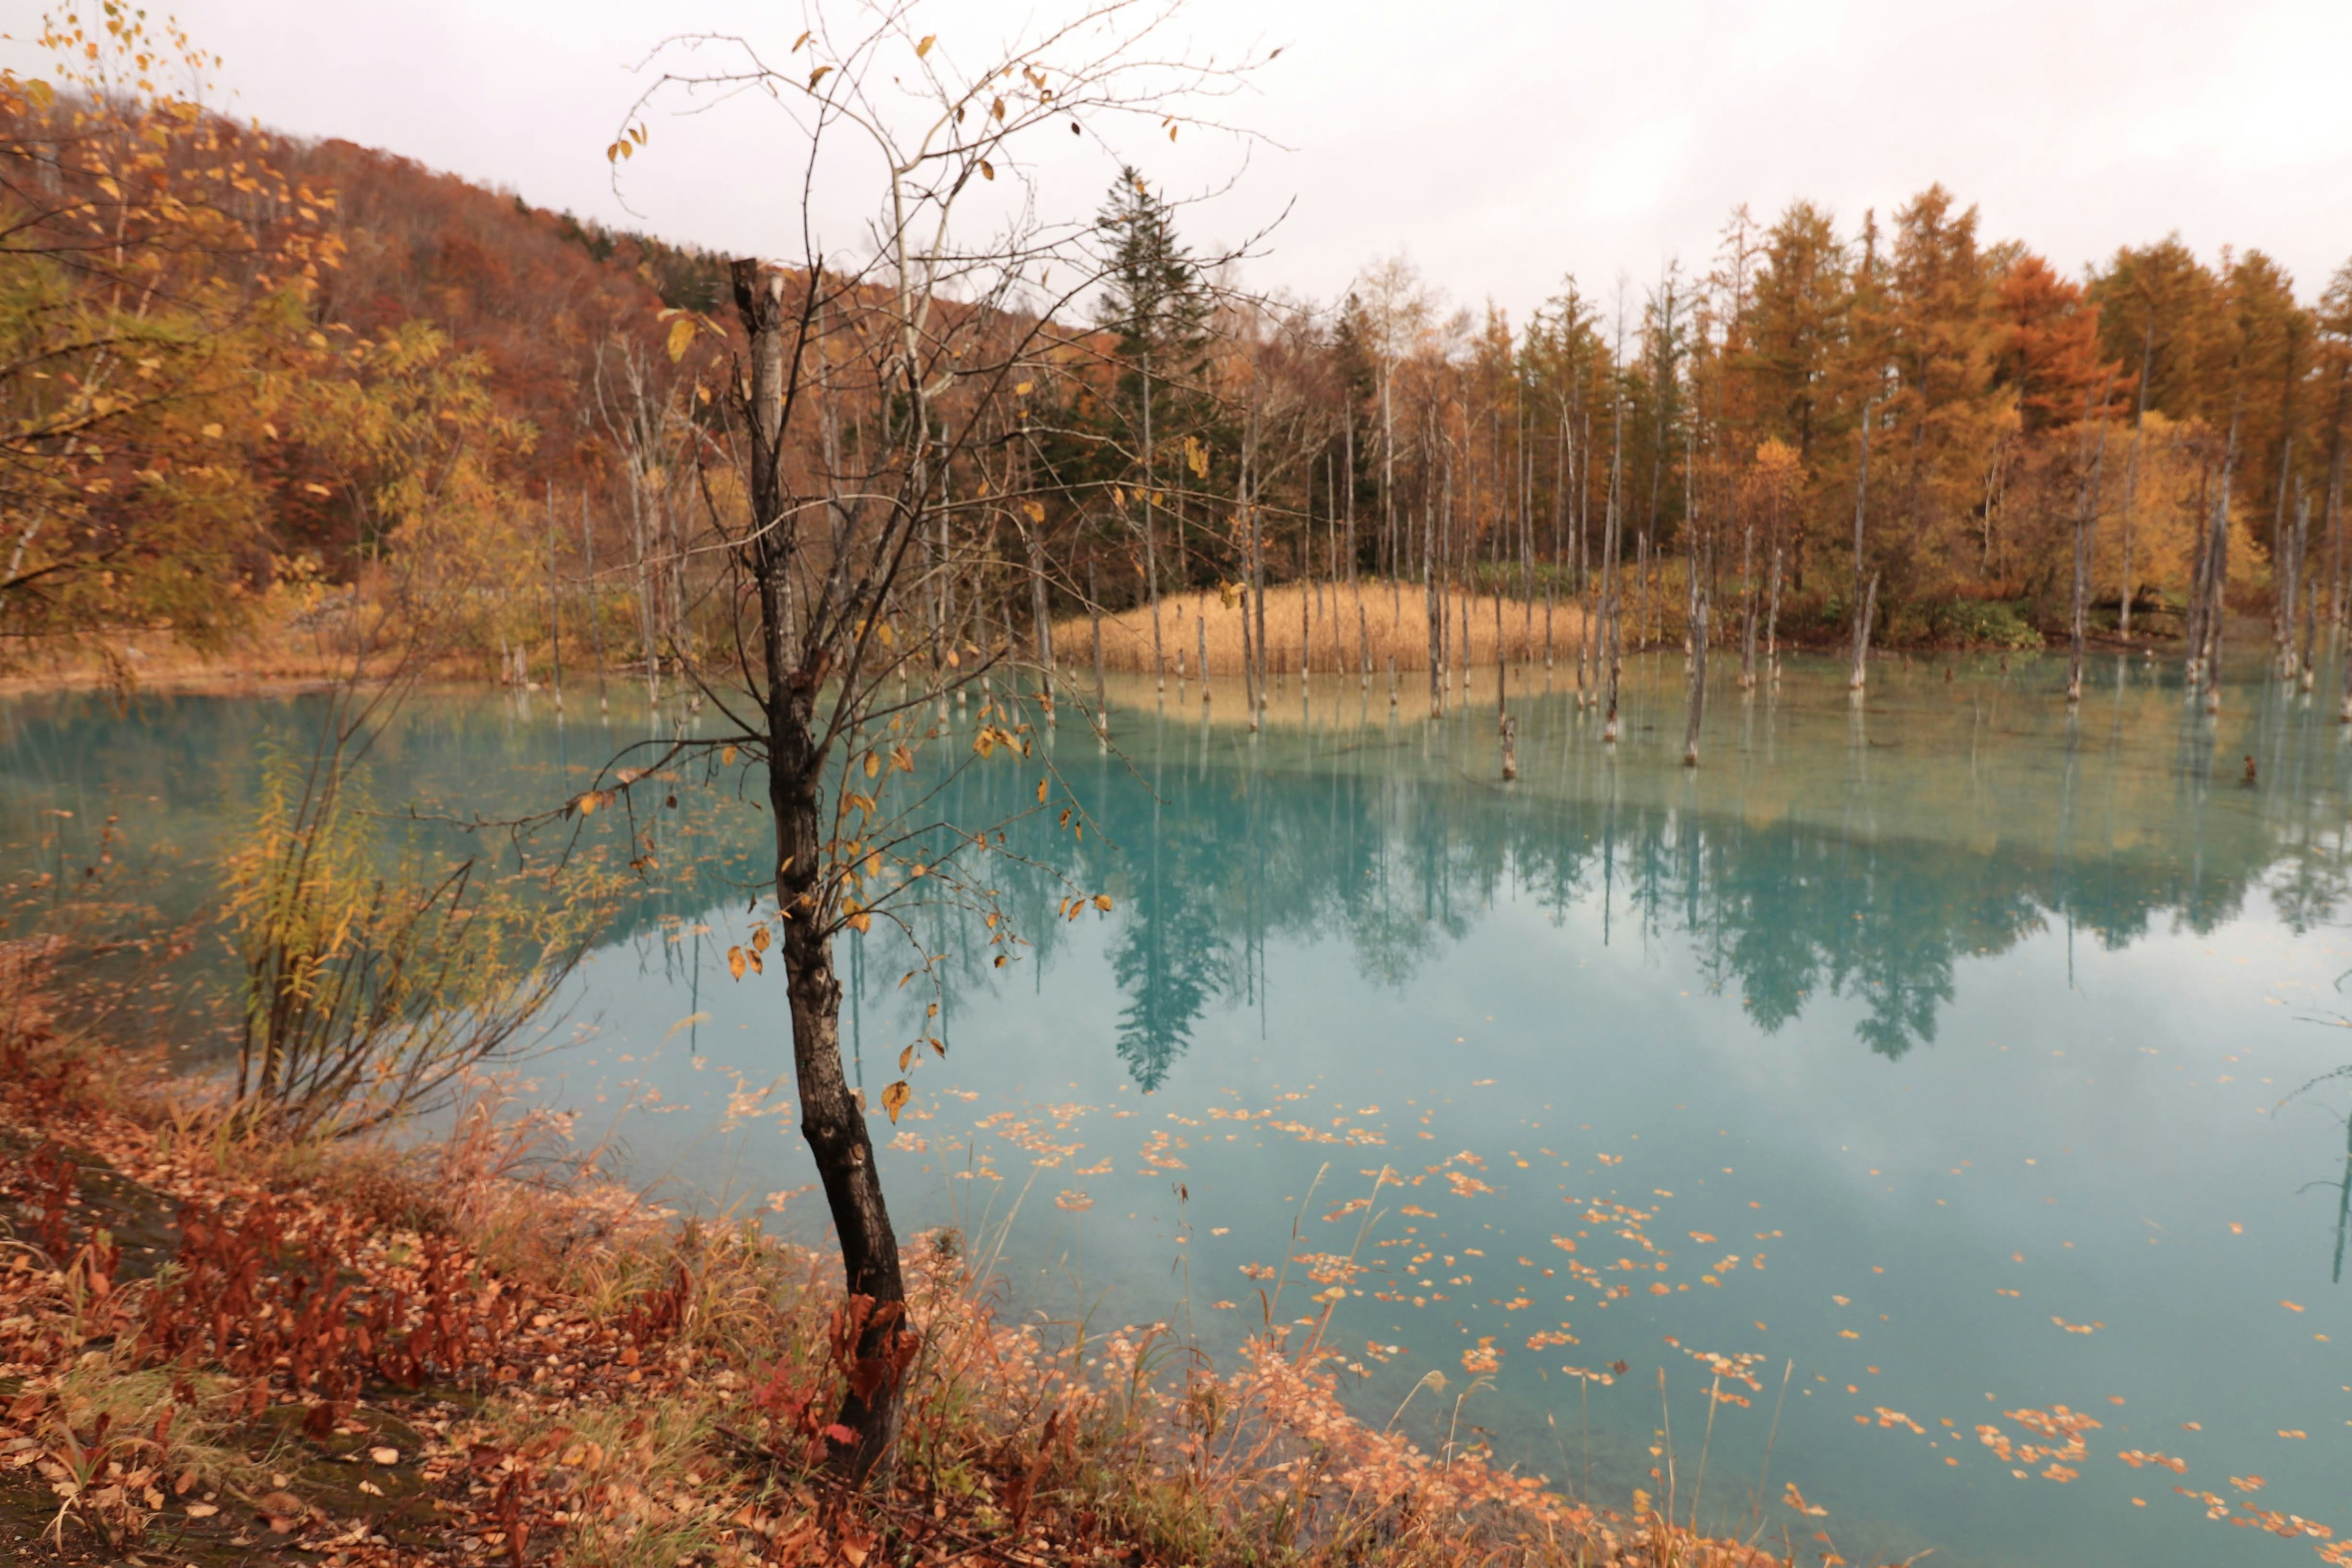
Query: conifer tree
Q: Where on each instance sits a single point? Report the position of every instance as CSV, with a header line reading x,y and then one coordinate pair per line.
x,y
1154,299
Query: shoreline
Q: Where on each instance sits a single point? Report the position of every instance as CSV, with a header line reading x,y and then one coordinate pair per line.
x,y
524,1368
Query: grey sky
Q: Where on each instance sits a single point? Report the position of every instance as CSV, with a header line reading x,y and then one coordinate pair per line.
x,y
1500,145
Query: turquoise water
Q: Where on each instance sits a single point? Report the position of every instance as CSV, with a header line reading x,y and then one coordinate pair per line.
x,y
1947,1055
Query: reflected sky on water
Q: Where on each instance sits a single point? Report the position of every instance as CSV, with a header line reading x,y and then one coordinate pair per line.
x,y
1947,1047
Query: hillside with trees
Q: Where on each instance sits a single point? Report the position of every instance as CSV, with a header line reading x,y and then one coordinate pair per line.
x,y
238,357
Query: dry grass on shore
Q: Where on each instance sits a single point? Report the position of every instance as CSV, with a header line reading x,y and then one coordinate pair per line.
x,y
1393,623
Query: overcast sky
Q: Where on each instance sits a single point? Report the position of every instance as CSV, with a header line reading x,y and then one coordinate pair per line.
x,y
1500,146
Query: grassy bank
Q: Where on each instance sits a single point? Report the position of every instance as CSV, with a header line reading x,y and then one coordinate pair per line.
x,y
218,1349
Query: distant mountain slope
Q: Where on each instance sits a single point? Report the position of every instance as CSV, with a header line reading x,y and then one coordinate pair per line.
x,y
533,291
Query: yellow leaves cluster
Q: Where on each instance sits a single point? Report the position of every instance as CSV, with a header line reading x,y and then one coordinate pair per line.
x,y
630,140
987,738
739,959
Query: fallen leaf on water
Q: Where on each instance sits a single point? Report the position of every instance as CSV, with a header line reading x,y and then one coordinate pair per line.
x,y
384,1456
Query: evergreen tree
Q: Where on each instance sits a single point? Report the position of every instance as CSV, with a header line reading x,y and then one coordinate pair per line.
x,y
1154,300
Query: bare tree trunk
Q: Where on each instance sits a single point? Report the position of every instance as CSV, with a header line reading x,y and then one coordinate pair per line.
x,y
554,604
1094,615
1429,606
1305,639
832,1121
1697,677
1502,665
1258,575
2217,575
2086,521
1860,611
1612,611
1748,606
1772,623
1151,534
1040,618
595,621
2292,661
2127,589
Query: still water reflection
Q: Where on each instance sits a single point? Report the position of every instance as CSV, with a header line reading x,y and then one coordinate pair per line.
x,y
1944,1054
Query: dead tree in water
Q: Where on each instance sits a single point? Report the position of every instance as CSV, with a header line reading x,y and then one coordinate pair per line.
x,y
1611,650
1697,680
1866,600
1748,612
2087,522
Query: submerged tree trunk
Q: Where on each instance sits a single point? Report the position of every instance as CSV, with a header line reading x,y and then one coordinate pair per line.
x,y
1612,612
1041,620
1697,679
2217,573
2087,523
1429,606
2131,486
1094,615
2309,661
596,622
1860,610
1748,606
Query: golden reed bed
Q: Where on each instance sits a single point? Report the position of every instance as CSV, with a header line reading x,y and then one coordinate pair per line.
x,y
1393,623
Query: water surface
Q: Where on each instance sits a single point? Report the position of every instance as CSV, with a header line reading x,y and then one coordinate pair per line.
x,y
1947,1054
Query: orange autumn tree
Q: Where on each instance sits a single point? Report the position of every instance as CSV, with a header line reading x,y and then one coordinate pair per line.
x,y
152,322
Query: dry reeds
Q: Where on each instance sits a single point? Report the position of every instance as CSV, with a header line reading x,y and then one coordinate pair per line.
x,y
1393,623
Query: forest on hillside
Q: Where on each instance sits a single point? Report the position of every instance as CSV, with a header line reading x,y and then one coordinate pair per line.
x,y
246,373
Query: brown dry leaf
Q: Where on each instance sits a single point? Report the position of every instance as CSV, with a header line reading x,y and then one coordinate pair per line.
x,y
384,1456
